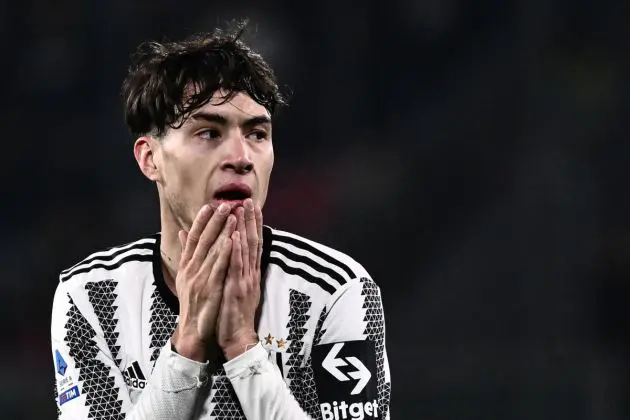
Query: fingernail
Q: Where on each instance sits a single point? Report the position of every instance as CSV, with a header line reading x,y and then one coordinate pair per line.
x,y
249,204
224,208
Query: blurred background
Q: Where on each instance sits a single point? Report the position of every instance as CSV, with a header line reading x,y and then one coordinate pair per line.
x,y
471,156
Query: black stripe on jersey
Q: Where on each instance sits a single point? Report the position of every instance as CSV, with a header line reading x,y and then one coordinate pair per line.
x,y
102,295
319,328
299,306
310,262
98,383
167,297
164,306
375,332
109,257
264,259
278,362
128,258
304,274
225,402
310,248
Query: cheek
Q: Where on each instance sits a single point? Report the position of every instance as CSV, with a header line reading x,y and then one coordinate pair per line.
x,y
179,163
265,174
178,175
268,165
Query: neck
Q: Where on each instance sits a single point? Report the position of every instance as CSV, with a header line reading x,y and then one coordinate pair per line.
x,y
170,248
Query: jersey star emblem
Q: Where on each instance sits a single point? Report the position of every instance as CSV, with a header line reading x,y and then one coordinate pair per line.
x,y
281,343
269,339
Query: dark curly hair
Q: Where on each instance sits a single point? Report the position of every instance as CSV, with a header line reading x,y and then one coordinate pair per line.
x,y
156,91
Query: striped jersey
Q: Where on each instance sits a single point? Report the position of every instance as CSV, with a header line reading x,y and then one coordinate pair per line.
x,y
321,353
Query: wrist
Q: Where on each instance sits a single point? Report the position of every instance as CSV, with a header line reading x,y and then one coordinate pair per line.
x,y
240,345
189,346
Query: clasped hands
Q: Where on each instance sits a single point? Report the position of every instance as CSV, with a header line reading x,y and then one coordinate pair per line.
x,y
218,282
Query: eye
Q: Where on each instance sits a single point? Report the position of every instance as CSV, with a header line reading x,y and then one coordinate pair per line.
x,y
209,134
258,135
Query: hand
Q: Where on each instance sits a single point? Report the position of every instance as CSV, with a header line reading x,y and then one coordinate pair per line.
x,y
206,252
236,331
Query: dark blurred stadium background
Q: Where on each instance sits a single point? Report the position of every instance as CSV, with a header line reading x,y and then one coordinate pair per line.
x,y
470,154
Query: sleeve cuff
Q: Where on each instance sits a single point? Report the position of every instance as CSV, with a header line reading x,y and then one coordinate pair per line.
x,y
175,372
182,364
250,362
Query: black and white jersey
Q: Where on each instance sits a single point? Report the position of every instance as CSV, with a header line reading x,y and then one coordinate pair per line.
x,y
321,353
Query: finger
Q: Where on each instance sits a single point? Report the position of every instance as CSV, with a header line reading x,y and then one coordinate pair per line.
x,y
226,232
195,232
210,233
213,254
236,262
242,232
230,227
221,264
259,224
181,235
252,231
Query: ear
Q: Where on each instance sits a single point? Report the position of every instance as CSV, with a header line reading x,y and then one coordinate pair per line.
x,y
143,150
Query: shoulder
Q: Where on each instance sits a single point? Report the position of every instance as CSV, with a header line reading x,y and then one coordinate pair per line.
x,y
312,260
110,259
86,292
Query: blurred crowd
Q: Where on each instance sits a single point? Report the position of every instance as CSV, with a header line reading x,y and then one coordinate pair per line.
x,y
471,156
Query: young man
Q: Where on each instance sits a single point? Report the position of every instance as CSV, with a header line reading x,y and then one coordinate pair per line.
x,y
217,316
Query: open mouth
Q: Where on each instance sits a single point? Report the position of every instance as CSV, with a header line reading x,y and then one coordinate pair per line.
x,y
231,195
233,192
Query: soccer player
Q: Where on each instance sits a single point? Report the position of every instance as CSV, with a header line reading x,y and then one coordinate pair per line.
x,y
217,316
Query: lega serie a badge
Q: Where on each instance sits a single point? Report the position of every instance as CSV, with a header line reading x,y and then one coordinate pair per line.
x,y
345,374
61,364
67,390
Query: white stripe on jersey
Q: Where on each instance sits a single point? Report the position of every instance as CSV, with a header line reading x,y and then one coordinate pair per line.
x,y
111,257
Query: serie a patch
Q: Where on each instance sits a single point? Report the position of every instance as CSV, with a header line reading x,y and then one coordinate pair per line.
x,y
60,363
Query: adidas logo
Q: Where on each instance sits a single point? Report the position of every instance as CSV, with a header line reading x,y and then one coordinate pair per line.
x,y
134,377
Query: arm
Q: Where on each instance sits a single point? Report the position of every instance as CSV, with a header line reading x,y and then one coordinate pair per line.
x,y
349,356
256,381
90,384
347,375
350,334
89,381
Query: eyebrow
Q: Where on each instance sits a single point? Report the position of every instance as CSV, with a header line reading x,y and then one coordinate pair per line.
x,y
220,119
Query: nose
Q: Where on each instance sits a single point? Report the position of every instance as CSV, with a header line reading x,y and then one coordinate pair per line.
x,y
237,156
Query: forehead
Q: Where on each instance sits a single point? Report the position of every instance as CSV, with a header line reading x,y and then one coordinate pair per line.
x,y
241,105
